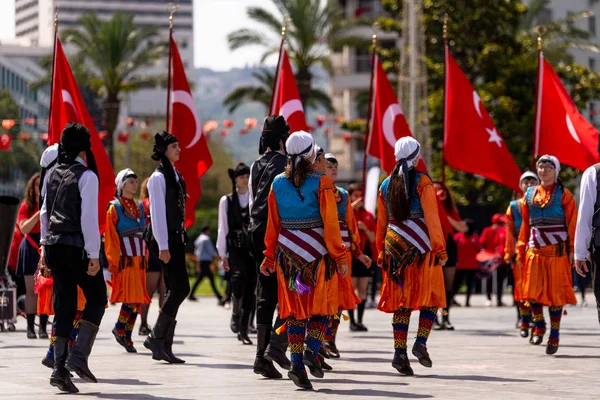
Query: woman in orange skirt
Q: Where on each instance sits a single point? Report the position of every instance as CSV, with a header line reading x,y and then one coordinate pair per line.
x,y
305,249
412,252
545,249
514,219
126,254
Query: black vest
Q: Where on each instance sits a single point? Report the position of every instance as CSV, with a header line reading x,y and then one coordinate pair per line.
x,y
175,202
63,204
238,219
264,171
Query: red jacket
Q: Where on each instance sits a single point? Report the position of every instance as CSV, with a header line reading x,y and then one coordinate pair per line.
x,y
468,247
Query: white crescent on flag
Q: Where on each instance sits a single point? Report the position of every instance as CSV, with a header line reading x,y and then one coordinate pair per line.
x,y
572,129
66,96
477,103
290,107
387,123
185,98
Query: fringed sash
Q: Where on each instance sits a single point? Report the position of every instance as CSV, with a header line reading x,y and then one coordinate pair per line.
x,y
413,230
399,253
546,235
345,234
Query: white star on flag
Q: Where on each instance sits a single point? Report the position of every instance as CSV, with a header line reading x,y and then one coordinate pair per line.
x,y
494,137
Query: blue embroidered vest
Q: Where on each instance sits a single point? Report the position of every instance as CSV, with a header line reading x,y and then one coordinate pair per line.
x,y
342,204
551,213
515,208
127,225
416,210
293,212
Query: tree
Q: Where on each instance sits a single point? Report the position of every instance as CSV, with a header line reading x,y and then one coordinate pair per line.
x,y
315,28
110,54
262,94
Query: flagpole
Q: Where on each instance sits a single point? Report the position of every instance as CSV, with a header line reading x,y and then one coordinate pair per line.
x,y
53,61
370,105
286,19
444,110
171,8
538,99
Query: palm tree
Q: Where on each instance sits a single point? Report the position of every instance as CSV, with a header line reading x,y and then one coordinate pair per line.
x,y
262,94
110,55
316,28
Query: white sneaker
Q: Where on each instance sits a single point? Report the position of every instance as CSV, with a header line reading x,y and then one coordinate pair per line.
x,y
488,303
584,303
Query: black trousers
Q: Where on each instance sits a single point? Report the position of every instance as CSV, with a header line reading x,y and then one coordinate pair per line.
x,y
503,273
467,275
205,272
176,277
69,266
243,282
266,291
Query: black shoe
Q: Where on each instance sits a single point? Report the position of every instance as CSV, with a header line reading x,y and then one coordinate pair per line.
x,y
42,334
354,328
537,339
266,368
468,304
131,349
235,323
361,327
78,358
402,365
500,304
243,337
276,346
60,377
145,330
332,349
323,364
310,360
323,352
524,332
192,298
531,337
300,378
551,349
48,362
155,341
31,334
120,339
448,325
419,350
168,344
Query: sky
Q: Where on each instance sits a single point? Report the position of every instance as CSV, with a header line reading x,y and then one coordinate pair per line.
x,y
213,20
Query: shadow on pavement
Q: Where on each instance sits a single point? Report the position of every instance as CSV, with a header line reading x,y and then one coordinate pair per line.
x,y
342,352
374,393
367,383
476,378
222,366
388,337
485,332
131,396
583,357
366,373
131,382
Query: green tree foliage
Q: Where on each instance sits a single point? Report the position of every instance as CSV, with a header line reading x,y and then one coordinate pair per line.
x,y
499,57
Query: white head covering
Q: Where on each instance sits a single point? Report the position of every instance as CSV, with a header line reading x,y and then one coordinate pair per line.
x,y
331,157
529,175
122,176
300,145
49,155
551,159
407,150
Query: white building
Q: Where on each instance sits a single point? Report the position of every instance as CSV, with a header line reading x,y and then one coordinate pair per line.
x,y
34,20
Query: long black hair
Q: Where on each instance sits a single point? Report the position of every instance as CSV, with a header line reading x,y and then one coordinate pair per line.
x,y
399,202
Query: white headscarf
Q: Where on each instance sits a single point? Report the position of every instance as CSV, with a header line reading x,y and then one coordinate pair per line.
x,y
529,175
300,145
553,160
407,150
49,155
122,176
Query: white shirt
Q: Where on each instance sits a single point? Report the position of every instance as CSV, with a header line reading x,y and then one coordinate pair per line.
x,y
204,249
88,190
157,193
224,223
587,199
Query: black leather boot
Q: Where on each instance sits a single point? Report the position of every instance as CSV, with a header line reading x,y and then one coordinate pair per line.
x,y
78,358
310,360
243,337
155,341
277,348
60,377
402,365
168,344
262,366
300,378
420,351
236,314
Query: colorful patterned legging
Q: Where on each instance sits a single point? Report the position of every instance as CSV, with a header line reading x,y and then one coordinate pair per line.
x,y
72,337
317,326
126,321
400,323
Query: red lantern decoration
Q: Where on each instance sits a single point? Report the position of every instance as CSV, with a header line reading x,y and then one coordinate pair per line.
x,y
144,135
44,137
130,121
321,119
30,121
8,123
224,132
123,137
339,120
103,135
244,131
250,123
347,137
4,142
210,126
228,123
24,136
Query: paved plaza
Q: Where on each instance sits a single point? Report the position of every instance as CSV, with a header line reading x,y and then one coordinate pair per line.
x,y
484,358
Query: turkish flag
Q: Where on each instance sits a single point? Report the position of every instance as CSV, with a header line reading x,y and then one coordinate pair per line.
x,y
559,128
194,159
387,122
286,100
471,141
67,106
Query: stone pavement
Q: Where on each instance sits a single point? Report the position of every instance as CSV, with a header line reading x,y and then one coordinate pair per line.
x,y
484,358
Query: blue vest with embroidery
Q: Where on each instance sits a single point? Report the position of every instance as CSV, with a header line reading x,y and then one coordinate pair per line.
x,y
127,225
551,213
342,204
293,212
515,208
416,210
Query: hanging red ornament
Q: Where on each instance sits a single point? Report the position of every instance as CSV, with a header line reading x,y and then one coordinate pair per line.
x,y
321,120
210,126
130,121
224,132
44,137
228,123
8,123
144,135
250,123
4,142
24,136
347,137
244,131
103,135
339,120
30,121
123,137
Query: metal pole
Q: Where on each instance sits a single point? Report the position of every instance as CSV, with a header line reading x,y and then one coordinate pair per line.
x,y
171,8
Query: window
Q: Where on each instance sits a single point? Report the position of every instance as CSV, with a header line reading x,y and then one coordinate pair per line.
x,y
592,63
592,24
362,61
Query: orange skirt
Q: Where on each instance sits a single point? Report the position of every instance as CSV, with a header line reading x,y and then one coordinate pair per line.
x,y
347,298
518,272
423,286
44,303
322,299
547,278
129,284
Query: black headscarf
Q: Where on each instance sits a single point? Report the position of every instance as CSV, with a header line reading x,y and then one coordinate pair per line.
x,y
275,129
74,139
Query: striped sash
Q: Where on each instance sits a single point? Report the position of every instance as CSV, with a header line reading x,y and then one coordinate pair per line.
x,y
132,246
415,231
307,244
546,235
345,234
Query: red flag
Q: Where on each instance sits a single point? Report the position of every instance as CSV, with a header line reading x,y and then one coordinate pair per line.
x,y
4,142
68,105
471,141
387,123
559,128
195,158
286,99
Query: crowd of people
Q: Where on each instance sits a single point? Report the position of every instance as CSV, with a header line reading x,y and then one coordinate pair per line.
x,y
294,244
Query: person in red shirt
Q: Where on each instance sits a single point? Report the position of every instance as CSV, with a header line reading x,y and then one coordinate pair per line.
x,y
28,256
467,244
451,223
367,225
493,240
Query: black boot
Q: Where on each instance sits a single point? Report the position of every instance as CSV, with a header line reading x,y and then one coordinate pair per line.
x,y
42,333
155,341
243,337
402,364
420,351
236,314
332,349
446,320
310,360
168,343
300,378
31,326
144,330
78,359
262,366
277,348
60,377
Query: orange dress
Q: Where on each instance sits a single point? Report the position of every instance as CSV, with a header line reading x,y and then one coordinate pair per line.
x,y
423,280
510,251
323,296
126,261
347,298
547,275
